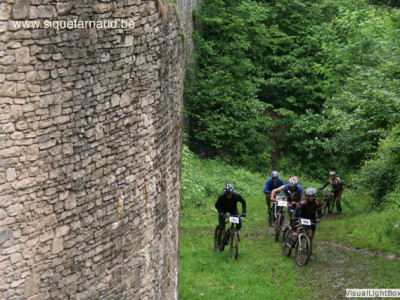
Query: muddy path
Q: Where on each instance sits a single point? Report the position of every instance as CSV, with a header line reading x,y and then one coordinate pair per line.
x,y
337,267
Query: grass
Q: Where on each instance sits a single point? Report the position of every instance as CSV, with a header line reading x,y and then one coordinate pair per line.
x,y
209,275
261,271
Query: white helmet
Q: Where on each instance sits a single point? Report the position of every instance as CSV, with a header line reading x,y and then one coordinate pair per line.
x,y
275,174
332,173
311,191
293,181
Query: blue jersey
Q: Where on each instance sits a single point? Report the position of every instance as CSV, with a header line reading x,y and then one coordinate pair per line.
x,y
293,195
270,185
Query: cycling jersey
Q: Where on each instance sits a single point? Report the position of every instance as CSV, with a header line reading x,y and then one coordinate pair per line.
x,y
224,205
293,195
270,185
309,209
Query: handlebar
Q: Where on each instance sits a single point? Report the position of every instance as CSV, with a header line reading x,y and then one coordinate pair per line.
x,y
298,222
237,216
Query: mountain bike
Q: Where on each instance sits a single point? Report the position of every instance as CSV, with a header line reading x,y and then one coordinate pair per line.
x,y
278,215
297,238
230,237
328,202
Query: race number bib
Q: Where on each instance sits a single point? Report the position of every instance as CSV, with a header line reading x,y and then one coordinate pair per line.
x,y
234,220
279,198
305,222
282,203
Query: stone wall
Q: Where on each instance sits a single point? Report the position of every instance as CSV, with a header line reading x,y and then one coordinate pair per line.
x,y
90,143
186,8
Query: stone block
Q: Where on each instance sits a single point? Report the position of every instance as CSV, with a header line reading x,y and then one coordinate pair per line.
x,y
20,9
11,174
22,56
5,11
5,235
57,245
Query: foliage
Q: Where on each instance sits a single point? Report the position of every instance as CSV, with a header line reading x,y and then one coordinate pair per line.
x,y
224,113
304,86
205,178
362,82
381,173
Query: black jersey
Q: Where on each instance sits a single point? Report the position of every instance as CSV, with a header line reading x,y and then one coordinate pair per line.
x,y
224,205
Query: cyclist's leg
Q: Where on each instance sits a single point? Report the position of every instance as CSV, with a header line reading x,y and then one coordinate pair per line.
x,y
221,223
268,202
310,233
337,195
238,226
291,210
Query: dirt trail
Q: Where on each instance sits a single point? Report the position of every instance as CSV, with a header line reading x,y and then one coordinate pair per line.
x,y
362,251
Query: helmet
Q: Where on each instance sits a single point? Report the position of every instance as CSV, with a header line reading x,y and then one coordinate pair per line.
x,y
228,188
311,191
332,173
275,174
293,181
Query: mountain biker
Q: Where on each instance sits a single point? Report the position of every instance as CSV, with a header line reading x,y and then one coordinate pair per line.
x,y
293,191
272,183
227,203
309,208
337,189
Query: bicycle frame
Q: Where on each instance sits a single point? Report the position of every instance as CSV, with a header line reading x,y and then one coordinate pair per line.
x,y
233,225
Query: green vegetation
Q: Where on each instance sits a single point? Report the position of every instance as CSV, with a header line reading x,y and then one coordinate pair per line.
x,y
300,85
261,270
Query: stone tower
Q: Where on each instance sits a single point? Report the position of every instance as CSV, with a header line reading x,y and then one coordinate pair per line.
x,y
90,143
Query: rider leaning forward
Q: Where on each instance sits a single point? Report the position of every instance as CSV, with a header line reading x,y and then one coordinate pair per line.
x,y
309,208
227,203
272,183
293,192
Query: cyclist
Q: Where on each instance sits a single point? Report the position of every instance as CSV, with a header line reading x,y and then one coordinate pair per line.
x,y
337,189
272,183
293,191
227,203
309,208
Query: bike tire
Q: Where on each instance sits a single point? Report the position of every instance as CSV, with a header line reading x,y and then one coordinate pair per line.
x,y
285,243
331,205
234,245
324,205
218,234
278,226
303,250
270,219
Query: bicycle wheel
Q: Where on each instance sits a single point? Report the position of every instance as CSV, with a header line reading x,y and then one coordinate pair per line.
x,y
234,245
218,234
271,218
303,250
286,240
331,204
324,205
278,226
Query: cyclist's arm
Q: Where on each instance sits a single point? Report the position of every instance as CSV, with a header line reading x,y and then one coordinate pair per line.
x,y
219,206
243,202
325,185
296,212
273,193
267,187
